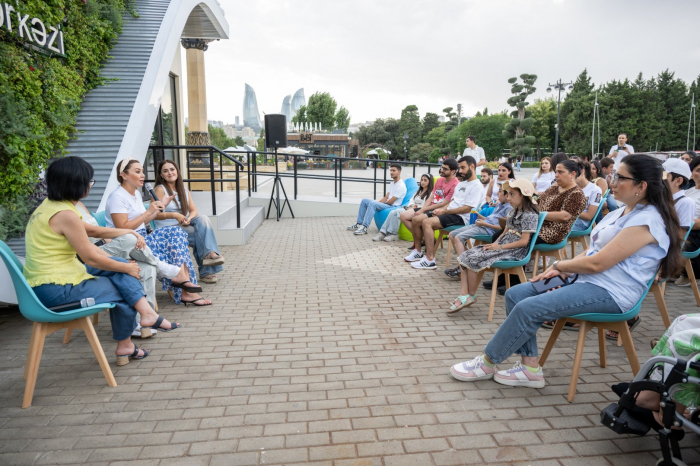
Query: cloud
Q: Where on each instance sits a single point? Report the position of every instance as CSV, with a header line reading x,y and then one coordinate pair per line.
x,y
376,57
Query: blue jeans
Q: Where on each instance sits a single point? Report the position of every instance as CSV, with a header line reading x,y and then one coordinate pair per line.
x,y
392,223
200,236
368,208
526,311
580,225
109,287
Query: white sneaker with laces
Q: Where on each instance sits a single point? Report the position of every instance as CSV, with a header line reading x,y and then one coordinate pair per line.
x,y
415,255
424,264
476,369
380,236
354,227
683,281
389,238
520,376
361,231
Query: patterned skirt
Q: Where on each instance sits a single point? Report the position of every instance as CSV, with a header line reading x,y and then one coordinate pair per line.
x,y
169,244
478,259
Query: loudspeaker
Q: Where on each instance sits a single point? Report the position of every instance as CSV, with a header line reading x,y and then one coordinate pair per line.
x,y
275,130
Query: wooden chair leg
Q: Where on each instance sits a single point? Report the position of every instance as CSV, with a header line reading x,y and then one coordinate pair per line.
x,y
534,266
628,343
95,316
661,303
521,274
449,246
494,290
552,339
36,350
601,347
584,327
30,351
66,337
573,248
584,243
693,283
507,274
86,325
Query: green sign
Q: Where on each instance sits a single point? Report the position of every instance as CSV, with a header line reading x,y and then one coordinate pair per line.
x,y
32,31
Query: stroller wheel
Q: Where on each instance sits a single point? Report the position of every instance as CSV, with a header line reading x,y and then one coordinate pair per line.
x,y
674,461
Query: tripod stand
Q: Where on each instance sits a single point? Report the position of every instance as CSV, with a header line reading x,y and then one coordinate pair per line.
x,y
276,199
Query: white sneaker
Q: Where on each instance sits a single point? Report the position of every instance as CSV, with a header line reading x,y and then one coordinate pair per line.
x,y
354,226
476,369
415,255
380,236
137,331
389,238
424,264
361,231
683,281
520,376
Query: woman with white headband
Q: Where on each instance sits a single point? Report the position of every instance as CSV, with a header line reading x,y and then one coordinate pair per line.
x,y
125,210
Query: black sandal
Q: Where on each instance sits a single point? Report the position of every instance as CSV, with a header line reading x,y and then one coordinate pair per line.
x,y
194,301
123,359
189,288
156,326
632,323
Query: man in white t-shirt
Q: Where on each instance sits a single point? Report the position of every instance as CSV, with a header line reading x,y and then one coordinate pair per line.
x,y
678,175
475,151
368,207
467,196
619,151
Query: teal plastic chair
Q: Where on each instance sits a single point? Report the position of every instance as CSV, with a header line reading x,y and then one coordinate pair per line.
x,y
689,255
557,251
577,236
615,322
510,267
411,190
100,217
47,322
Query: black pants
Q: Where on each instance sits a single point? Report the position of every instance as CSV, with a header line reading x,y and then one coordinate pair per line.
x,y
693,244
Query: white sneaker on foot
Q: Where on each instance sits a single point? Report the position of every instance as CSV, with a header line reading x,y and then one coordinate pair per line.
x,y
415,255
424,264
361,231
476,369
520,376
389,238
354,226
683,281
380,236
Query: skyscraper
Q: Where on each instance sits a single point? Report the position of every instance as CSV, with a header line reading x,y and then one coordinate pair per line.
x,y
251,115
287,108
297,101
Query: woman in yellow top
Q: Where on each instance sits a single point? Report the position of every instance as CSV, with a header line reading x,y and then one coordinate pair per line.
x,y
55,235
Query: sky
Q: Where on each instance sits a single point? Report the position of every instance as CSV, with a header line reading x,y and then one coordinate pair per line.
x,y
376,57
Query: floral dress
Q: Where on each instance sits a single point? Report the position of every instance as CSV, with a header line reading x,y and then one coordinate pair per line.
x,y
169,244
477,259
682,340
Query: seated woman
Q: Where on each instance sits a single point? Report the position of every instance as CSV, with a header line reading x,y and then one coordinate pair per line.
x,y
593,197
390,229
628,248
130,245
513,243
55,235
545,177
200,234
598,178
125,210
505,173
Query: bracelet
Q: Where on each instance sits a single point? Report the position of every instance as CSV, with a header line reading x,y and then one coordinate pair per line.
x,y
144,218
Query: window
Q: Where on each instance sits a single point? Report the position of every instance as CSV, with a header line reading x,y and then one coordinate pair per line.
x,y
165,131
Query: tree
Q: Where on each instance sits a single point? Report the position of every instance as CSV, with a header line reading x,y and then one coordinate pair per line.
x,y
321,109
261,142
342,119
382,132
239,141
219,139
449,125
300,118
576,117
674,94
544,112
420,152
430,121
435,136
488,131
522,121
409,124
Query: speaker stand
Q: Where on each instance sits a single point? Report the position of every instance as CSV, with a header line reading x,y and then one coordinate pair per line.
x,y
276,198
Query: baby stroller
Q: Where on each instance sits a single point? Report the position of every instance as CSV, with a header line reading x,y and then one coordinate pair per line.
x,y
624,417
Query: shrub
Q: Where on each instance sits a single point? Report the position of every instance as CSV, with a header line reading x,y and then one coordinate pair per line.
x,y
302,165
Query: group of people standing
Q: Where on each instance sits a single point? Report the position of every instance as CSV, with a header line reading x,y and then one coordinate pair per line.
x,y
71,257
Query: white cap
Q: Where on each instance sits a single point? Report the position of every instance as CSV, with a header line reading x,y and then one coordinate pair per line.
x,y
677,166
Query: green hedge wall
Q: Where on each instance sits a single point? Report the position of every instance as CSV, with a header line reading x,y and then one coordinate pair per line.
x,y
39,95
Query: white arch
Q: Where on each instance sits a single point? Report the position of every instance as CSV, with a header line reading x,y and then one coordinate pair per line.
x,y
210,16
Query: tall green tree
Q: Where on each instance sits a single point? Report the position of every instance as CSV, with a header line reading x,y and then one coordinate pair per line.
x,y
516,130
488,131
430,121
342,119
300,118
420,152
321,109
544,112
576,117
435,136
219,139
674,94
409,124
383,132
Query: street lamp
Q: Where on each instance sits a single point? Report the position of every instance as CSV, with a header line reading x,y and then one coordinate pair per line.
x,y
560,86
405,150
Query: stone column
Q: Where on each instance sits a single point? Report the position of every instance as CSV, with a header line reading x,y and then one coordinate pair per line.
x,y
198,134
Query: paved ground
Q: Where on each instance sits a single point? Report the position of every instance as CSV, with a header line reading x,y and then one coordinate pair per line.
x,y
322,348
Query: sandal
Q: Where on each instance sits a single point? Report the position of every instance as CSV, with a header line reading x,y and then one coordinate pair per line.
x,y
211,262
123,359
466,301
191,288
157,326
654,342
194,301
632,323
453,273
209,279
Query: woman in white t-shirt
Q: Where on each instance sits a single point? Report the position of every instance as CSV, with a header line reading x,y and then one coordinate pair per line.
x,y
593,197
544,179
505,173
125,210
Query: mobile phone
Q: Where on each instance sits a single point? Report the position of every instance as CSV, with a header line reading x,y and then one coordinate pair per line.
x,y
542,286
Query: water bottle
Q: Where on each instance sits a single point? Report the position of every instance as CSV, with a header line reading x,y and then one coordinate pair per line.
x,y
472,217
87,302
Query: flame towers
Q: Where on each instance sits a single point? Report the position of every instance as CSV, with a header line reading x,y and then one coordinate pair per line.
x,y
251,114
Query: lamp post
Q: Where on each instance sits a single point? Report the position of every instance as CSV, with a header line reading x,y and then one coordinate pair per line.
x,y
405,150
560,86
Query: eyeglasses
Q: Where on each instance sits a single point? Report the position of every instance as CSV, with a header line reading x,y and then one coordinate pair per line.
x,y
92,183
617,177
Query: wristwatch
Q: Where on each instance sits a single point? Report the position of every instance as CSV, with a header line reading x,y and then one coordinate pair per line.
x,y
554,265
